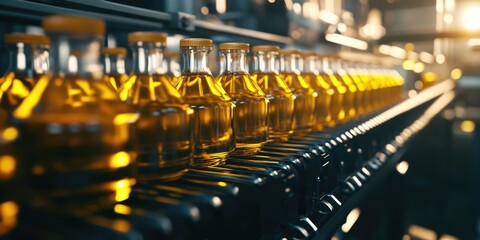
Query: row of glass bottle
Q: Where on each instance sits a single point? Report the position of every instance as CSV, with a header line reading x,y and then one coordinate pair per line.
x,y
81,137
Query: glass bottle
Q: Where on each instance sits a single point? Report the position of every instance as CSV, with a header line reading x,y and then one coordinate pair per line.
x,y
339,104
251,111
163,131
281,98
213,126
350,100
114,66
305,96
12,176
171,65
351,73
77,128
322,105
27,64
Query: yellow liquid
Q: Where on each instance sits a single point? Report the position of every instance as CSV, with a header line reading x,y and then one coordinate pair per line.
x,y
14,88
337,106
172,78
115,80
280,107
163,130
361,93
251,111
304,111
350,96
78,143
323,100
213,126
369,94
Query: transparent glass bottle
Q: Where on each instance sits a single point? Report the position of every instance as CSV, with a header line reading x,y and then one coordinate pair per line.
x,y
13,174
27,64
349,71
171,65
281,98
323,101
213,125
114,66
339,104
305,97
163,132
251,111
350,100
77,128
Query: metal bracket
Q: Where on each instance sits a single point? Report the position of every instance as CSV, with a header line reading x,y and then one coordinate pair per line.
x,y
183,21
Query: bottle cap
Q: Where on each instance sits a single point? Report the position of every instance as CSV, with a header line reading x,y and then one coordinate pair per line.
x,y
234,46
115,51
69,23
151,37
196,42
26,38
289,51
265,48
171,54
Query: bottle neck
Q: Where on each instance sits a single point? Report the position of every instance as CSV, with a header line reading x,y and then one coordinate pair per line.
x,y
290,63
234,61
40,59
196,59
147,58
310,65
266,62
114,64
329,66
76,55
171,66
21,59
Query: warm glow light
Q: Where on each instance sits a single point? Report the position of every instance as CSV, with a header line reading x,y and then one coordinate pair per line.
x,y
471,18
10,133
204,10
310,10
8,216
271,1
447,237
426,57
346,41
288,4
421,232
125,118
328,17
121,225
123,189
456,73
419,67
120,159
352,217
221,6
402,167
297,8
7,166
467,126
440,58
408,64
122,209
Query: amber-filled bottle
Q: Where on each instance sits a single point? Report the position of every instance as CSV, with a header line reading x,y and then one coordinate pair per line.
x,y
304,114
12,176
163,136
281,98
323,101
213,126
251,111
350,100
27,64
114,66
171,65
347,69
75,126
339,105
